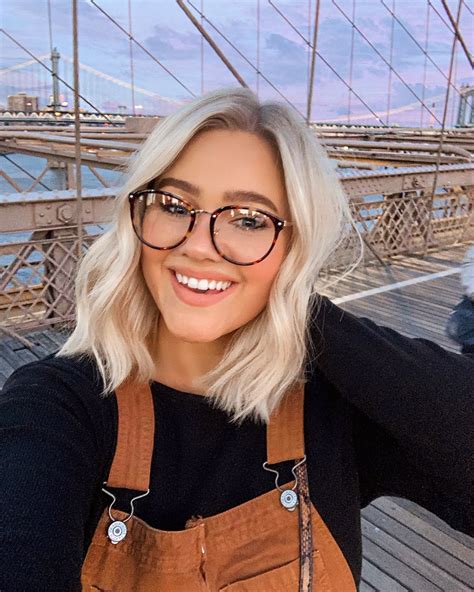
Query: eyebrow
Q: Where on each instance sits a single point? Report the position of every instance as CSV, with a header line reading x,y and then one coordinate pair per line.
x,y
229,196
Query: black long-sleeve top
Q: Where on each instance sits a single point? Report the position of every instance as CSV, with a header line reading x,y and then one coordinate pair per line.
x,y
384,414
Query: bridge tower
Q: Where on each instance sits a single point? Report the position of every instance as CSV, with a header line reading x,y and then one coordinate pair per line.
x,y
55,102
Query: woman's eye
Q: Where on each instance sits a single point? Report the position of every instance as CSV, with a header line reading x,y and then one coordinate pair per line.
x,y
249,223
174,209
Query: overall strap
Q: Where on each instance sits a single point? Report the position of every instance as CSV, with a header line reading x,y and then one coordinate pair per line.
x,y
285,441
285,430
131,464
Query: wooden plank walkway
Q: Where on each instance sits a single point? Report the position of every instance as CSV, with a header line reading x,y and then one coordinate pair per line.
x,y
405,547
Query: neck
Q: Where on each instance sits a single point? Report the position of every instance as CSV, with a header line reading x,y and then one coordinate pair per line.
x,y
178,363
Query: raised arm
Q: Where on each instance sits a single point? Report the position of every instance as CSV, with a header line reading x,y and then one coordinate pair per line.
x,y
414,413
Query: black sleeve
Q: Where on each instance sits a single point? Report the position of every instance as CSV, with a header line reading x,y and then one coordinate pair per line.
x,y
49,473
413,412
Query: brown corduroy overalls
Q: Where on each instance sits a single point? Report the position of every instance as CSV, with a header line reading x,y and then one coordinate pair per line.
x,y
258,546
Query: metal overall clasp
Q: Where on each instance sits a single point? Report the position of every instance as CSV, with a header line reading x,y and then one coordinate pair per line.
x,y
288,497
117,530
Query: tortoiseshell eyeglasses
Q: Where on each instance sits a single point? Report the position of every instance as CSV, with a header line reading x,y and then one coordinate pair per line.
x,y
240,234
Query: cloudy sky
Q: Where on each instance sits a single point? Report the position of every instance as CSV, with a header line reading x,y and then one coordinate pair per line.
x,y
165,31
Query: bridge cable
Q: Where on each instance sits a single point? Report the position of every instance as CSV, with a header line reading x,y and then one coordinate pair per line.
x,y
24,171
385,61
258,47
308,65
321,57
455,70
142,47
390,67
458,32
211,41
77,130
443,126
244,57
202,50
313,62
130,47
427,33
468,8
427,56
351,64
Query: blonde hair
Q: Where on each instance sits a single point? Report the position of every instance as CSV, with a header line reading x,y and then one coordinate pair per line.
x,y
116,316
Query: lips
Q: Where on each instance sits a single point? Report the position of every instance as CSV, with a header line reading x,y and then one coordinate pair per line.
x,y
204,299
203,275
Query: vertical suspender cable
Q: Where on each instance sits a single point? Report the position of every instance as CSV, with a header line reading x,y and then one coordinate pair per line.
x,y
427,34
202,48
323,59
381,56
258,47
77,127
453,103
51,45
308,66
443,125
390,68
130,45
313,63
66,75
351,65
413,38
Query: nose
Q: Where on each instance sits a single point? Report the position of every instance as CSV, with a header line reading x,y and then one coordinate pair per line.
x,y
199,244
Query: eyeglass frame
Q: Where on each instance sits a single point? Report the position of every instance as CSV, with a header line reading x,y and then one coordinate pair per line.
x,y
279,223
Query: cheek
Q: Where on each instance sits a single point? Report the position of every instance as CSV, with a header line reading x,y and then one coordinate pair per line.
x,y
151,266
260,278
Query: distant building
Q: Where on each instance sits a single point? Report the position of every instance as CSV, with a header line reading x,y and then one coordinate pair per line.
x,y
22,102
465,116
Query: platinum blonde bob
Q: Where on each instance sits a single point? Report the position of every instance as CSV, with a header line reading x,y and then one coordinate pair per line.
x,y
116,316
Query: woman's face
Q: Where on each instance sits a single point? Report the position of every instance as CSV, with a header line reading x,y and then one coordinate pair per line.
x,y
215,162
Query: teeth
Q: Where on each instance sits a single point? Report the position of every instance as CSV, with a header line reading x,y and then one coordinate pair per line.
x,y
202,284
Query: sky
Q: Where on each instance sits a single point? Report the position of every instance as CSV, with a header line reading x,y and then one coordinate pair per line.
x,y
167,33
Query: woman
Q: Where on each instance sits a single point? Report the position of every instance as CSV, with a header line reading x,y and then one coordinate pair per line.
x,y
199,324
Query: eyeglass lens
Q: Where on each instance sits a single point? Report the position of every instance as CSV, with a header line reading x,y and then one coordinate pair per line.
x,y
240,234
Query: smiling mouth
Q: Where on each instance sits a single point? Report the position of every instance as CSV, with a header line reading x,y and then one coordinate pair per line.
x,y
197,297
207,290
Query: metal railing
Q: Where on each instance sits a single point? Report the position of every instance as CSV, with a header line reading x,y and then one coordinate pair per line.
x,y
395,211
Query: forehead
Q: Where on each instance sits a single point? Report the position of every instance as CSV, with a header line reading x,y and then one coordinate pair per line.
x,y
221,161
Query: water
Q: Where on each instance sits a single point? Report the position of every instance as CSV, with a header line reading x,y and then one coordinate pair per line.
x,y
32,275
35,165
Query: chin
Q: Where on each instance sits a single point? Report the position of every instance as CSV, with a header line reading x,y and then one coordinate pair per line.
x,y
200,334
